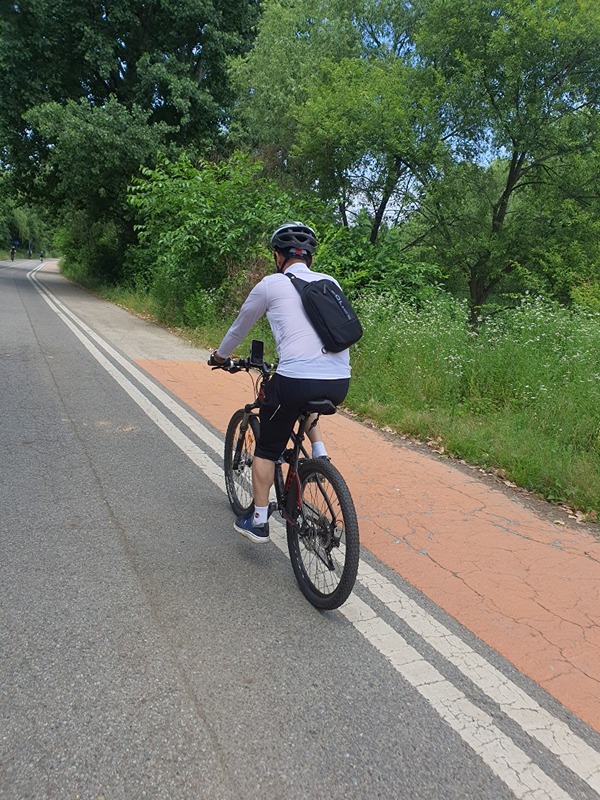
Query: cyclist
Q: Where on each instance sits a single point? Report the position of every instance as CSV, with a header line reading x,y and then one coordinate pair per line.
x,y
304,372
13,251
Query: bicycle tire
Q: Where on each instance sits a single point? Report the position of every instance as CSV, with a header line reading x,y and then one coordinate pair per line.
x,y
324,543
238,480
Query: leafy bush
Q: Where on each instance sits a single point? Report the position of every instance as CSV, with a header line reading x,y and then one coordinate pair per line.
x,y
92,251
204,307
349,255
201,227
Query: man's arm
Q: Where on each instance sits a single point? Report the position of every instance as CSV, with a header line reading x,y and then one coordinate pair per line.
x,y
254,307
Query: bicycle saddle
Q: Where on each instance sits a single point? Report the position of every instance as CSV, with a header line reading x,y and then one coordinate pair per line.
x,y
320,407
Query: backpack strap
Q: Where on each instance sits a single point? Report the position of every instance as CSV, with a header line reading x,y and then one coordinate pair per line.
x,y
297,283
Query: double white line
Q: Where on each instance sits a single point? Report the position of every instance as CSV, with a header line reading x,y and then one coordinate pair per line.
x,y
510,763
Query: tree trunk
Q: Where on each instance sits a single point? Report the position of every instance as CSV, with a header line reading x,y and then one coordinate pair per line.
x,y
482,283
343,213
391,181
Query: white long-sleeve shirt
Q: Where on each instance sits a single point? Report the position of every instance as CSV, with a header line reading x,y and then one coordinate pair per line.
x,y
298,345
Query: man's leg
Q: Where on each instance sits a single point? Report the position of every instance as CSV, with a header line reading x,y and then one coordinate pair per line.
x,y
263,474
255,525
316,439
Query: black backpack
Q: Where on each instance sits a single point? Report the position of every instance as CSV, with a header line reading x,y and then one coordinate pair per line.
x,y
330,313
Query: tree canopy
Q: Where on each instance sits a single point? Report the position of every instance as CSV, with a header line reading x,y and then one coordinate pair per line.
x,y
451,118
457,136
165,56
91,92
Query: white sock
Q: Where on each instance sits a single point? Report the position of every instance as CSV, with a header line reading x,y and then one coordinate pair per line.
x,y
318,450
260,515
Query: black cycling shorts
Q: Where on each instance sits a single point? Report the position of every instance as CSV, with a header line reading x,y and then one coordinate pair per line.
x,y
281,405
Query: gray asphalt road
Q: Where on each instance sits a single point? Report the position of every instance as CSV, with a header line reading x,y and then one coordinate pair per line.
x,y
150,652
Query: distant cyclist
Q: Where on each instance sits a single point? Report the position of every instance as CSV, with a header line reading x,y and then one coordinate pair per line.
x,y
13,252
42,254
304,371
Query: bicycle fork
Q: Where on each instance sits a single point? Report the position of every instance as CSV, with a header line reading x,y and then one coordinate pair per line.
x,y
244,425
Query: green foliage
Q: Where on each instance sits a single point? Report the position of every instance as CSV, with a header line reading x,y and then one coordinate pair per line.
x,y
6,212
91,92
276,76
350,114
349,255
368,129
547,243
523,83
202,225
522,395
587,296
92,152
92,250
19,221
517,72
454,120
165,56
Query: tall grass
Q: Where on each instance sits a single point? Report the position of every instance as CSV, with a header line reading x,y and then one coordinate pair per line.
x,y
521,395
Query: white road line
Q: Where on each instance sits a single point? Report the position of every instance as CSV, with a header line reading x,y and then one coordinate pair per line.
x,y
554,734
475,727
175,408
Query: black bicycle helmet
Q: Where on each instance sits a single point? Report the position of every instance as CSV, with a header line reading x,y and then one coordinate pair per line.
x,y
294,236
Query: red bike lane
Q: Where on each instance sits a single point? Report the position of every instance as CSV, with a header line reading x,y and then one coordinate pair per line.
x,y
526,585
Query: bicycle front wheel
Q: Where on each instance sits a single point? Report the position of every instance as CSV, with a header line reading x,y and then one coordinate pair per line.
x,y
323,542
237,462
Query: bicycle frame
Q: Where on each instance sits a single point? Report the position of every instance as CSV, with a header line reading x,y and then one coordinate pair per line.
x,y
290,456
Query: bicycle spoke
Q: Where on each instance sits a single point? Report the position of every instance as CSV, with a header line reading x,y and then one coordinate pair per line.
x,y
324,542
238,458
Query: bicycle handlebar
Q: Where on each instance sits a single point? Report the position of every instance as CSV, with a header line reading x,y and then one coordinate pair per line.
x,y
234,365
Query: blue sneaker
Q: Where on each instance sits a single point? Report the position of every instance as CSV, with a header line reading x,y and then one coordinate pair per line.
x,y
256,533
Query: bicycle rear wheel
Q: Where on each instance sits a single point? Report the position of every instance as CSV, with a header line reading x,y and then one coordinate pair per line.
x,y
324,543
237,462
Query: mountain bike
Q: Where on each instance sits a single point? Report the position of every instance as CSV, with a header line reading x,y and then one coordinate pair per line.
x,y
312,496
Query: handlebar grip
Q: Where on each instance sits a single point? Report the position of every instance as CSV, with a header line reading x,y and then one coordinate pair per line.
x,y
218,365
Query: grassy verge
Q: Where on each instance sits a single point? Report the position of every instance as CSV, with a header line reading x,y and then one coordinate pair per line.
x,y
521,398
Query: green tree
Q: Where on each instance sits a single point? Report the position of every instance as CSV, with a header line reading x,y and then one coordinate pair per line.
x,y
165,56
350,114
204,228
90,91
369,134
31,228
522,82
91,154
275,77
456,111
6,210
567,236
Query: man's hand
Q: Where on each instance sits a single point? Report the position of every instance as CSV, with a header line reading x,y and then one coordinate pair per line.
x,y
215,360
